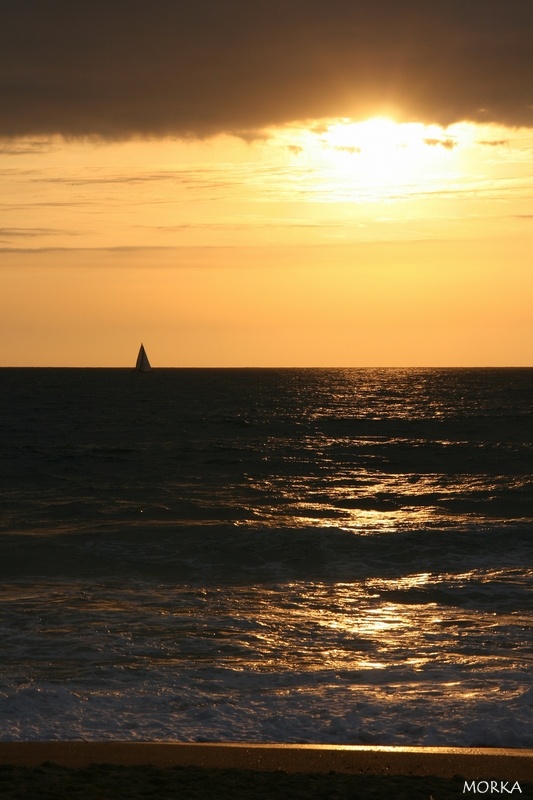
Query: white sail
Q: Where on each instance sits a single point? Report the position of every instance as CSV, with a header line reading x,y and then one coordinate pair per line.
x,y
143,365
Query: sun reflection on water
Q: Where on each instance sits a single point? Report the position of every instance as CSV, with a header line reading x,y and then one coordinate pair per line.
x,y
354,627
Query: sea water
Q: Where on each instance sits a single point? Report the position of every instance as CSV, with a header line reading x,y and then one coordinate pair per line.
x,y
335,556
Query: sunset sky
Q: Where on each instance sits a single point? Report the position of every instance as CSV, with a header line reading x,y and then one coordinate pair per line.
x,y
277,183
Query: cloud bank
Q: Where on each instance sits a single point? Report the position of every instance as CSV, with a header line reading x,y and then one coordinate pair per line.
x,y
124,68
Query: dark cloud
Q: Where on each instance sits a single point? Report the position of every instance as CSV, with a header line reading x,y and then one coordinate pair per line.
x,y
121,68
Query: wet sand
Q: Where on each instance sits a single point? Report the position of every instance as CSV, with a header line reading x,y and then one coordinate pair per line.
x,y
115,770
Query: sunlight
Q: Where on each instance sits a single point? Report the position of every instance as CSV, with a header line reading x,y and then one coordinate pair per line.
x,y
375,159
378,150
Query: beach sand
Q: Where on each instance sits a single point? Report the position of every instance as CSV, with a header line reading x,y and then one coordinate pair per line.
x,y
119,770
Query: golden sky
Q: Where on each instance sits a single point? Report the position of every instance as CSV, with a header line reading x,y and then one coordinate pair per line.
x,y
352,239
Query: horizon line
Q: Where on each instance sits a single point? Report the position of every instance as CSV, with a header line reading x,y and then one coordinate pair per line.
x,y
273,366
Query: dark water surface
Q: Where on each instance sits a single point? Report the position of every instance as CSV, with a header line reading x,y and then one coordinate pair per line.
x,y
267,555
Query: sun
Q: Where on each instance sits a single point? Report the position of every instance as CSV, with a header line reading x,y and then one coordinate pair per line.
x,y
379,150
377,158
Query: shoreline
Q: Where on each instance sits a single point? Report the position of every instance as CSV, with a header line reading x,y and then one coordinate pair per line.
x,y
197,771
446,762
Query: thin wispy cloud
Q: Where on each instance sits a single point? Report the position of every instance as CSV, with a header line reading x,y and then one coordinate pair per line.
x,y
15,233
448,144
24,147
494,143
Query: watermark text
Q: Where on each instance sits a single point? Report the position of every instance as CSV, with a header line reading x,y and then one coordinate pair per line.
x,y
491,787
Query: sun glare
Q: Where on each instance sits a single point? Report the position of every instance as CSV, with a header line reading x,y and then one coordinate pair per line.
x,y
379,149
371,160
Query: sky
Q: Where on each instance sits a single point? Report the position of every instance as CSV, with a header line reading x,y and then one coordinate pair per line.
x,y
269,183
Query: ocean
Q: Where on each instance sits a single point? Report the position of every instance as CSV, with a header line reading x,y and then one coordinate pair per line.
x,y
338,556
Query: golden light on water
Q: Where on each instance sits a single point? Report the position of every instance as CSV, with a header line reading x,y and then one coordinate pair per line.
x,y
382,623
357,627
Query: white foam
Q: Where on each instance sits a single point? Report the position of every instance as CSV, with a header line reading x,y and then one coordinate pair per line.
x,y
296,714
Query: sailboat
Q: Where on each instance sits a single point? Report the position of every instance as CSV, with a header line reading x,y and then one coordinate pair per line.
x,y
143,365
